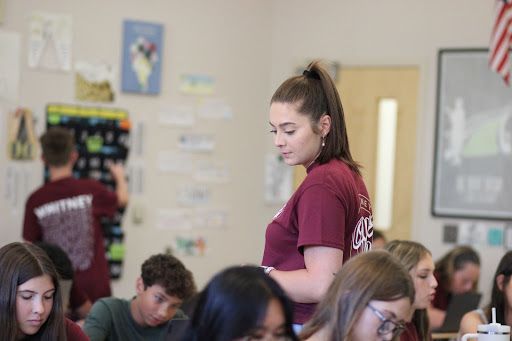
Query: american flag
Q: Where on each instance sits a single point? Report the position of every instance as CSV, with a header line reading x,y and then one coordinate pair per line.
x,y
501,39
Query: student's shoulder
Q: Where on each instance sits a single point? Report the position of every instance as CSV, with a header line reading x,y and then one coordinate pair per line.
x,y
470,322
74,332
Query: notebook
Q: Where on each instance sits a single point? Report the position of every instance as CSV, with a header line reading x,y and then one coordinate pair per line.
x,y
175,329
458,306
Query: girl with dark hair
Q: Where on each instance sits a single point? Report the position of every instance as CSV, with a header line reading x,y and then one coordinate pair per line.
x,y
30,298
501,299
417,260
457,272
329,217
241,303
369,300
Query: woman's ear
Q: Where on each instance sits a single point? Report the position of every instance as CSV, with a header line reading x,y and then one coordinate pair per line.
x,y
325,125
499,281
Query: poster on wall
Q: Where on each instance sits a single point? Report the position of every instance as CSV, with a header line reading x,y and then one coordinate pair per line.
x,y
142,57
94,81
49,45
9,65
473,153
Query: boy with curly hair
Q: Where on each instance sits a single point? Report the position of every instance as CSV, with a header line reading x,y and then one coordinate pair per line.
x,y
164,284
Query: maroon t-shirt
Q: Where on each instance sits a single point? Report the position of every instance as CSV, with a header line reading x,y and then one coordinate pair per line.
x,y
411,333
441,297
67,213
330,208
74,332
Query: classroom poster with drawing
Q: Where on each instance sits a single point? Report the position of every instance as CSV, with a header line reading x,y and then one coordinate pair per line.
x,y
50,38
473,138
142,57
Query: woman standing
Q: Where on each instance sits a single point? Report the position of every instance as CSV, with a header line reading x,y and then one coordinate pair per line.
x,y
417,260
329,218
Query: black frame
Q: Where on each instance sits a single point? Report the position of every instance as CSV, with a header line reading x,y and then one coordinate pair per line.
x,y
472,174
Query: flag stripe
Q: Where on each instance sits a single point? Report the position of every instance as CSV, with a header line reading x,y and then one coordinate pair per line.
x,y
501,39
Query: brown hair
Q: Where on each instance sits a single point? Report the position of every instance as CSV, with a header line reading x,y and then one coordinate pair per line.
x,y
169,272
374,275
455,260
57,144
19,263
315,95
410,253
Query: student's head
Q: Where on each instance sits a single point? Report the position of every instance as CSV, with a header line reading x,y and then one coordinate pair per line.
x,y
58,145
30,300
63,266
459,270
162,287
241,303
501,296
417,260
307,119
369,288
379,241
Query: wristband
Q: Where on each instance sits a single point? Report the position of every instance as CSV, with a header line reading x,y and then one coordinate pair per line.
x,y
267,269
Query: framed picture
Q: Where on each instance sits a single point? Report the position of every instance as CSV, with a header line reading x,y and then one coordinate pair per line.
x,y
473,145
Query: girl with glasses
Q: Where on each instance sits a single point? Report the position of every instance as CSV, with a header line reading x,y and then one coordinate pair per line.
x,y
418,261
501,299
30,297
241,304
370,299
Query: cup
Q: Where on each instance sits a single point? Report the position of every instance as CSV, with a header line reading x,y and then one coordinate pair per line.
x,y
490,332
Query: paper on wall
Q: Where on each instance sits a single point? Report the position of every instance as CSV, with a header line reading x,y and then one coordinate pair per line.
x,y
175,219
197,84
193,195
9,65
211,172
173,162
278,179
177,115
196,142
472,233
50,40
214,108
210,218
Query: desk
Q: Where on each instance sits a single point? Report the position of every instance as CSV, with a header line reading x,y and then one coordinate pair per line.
x,y
439,336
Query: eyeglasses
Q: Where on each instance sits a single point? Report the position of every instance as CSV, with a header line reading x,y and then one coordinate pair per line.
x,y
387,326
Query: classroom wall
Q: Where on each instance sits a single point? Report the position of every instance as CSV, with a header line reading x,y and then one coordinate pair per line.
x,y
250,47
229,40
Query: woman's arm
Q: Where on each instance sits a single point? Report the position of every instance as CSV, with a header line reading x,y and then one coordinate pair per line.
x,y
469,324
310,285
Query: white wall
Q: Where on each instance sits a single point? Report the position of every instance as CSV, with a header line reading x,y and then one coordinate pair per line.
x,y
249,46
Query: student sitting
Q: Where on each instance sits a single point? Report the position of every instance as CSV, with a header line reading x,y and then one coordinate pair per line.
x,y
370,299
162,287
30,297
416,259
241,303
500,299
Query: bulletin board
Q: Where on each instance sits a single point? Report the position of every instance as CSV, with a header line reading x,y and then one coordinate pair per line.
x,y
101,135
